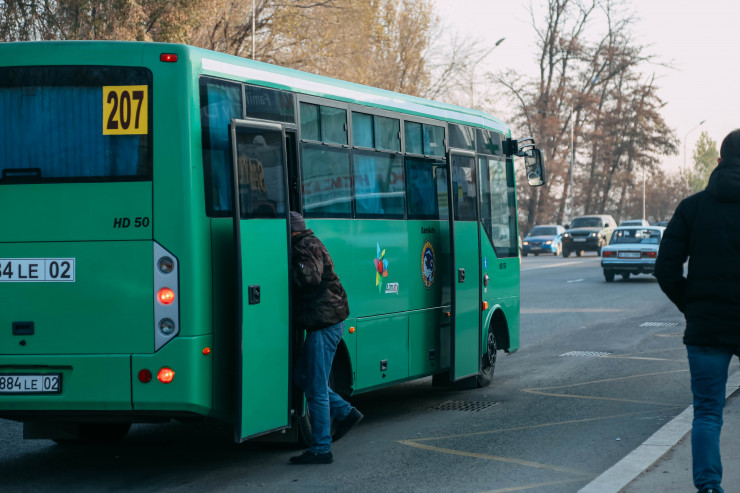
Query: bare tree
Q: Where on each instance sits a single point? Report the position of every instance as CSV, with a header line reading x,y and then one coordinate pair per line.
x,y
595,90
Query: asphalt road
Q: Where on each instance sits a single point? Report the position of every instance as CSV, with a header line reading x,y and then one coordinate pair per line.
x,y
601,367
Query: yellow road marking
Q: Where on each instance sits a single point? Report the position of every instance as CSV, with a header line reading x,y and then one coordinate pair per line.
x,y
645,358
581,475
541,425
534,485
590,397
608,380
509,460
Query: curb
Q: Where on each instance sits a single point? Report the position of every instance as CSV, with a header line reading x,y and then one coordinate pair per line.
x,y
621,474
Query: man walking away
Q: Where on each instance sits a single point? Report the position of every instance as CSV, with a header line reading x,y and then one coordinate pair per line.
x,y
320,308
706,229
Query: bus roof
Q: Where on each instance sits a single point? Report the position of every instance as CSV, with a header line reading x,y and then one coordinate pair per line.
x,y
265,74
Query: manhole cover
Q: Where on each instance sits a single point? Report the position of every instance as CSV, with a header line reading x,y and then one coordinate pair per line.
x,y
463,406
599,354
659,324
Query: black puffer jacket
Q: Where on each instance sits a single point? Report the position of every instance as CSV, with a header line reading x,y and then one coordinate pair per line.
x,y
319,300
706,229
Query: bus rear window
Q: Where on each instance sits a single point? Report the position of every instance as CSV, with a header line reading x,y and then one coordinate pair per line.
x,y
75,124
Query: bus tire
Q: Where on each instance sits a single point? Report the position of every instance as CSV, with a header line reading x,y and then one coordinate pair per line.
x,y
488,361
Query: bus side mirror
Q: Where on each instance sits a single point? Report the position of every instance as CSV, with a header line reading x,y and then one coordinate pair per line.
x,y
534,164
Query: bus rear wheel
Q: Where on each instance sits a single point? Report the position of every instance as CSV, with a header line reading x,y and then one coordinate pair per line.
x,y
488,361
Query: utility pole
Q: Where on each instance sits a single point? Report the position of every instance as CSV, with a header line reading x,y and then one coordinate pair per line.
x,y
472,71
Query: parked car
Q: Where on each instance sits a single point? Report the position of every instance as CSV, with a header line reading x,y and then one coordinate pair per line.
x,y
545,238
632,250
634,222
588,233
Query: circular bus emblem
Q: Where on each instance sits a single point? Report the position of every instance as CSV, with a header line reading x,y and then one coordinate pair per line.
x,y
428,264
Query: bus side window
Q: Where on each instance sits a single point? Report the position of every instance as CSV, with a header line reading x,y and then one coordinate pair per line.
x,y
219,102
379,184
426,188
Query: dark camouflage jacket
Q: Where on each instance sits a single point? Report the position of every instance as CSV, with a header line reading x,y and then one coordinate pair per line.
x,y
319,300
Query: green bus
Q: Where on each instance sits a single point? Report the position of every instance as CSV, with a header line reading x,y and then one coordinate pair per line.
x,y
132,292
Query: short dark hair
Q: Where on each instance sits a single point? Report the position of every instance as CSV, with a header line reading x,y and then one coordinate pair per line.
x,y
731,145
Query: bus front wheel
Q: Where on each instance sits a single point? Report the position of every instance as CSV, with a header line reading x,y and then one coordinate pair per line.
x,y
488,361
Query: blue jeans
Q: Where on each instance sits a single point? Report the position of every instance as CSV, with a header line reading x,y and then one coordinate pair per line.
x,y
312,376
708,365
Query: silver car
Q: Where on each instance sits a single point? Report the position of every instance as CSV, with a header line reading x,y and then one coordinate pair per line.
x,y
631,250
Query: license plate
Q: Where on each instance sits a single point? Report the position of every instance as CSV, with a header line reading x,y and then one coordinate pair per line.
x,y
37,269
48,383
536,249
628,254
579,239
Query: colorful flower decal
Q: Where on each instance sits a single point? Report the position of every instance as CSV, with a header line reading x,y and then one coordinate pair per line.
x,y
381,267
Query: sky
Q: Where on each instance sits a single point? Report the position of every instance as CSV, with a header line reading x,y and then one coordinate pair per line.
x,y
696,38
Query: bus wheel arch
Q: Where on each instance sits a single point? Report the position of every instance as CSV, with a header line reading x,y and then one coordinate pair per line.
x,y
340,378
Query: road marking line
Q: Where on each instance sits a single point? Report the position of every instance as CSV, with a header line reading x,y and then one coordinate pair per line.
x,y
535,485
644,358
610,380
575,280
571,310
679,348
509,460
534,427
590,397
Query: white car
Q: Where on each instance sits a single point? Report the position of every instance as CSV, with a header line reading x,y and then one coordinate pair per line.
x,y
631,250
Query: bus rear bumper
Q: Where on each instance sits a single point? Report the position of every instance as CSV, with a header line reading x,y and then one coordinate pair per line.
x,y
109,384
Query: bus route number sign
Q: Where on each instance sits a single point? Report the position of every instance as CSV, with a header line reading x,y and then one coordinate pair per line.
x,y
125,110
37,269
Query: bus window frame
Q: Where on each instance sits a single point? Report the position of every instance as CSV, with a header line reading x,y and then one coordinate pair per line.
x,y
287,126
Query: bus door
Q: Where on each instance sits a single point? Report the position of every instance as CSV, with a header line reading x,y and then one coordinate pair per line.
x,y
262,237
465,253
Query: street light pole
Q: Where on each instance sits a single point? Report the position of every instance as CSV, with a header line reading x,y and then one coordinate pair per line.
x,y
685,168
572,157
643,193
472,71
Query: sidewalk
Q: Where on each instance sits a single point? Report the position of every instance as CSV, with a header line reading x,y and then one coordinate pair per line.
x,y
663,462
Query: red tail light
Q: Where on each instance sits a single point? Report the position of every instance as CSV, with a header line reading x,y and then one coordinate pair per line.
x,y
649,254
165,375
168,57
166,296
607,253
